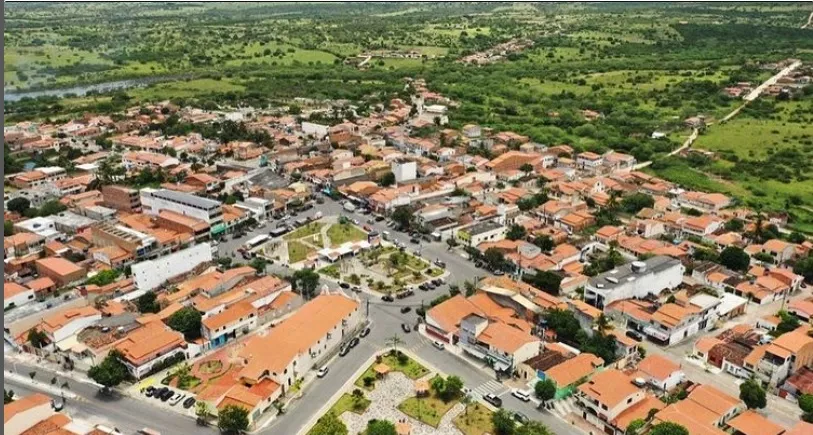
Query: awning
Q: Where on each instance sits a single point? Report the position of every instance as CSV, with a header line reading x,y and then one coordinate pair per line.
x,y
219,228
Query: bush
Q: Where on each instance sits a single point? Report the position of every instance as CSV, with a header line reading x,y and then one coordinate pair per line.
x,y
369,381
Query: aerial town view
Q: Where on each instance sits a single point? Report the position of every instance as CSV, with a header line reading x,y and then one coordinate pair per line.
x,y
374,218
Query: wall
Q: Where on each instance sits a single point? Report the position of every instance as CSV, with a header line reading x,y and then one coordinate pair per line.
x,y
153,273
19,326
75,326
24,420
19,299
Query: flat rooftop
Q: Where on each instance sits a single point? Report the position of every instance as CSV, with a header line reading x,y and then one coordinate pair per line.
x,y
185,198
625,273
483,227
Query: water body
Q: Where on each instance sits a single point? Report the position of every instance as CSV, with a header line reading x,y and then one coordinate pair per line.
x,y
81,90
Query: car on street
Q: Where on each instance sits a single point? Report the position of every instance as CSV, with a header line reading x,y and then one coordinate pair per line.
x,y
405,328
321,373
405,310
354,342
176,399
437,281
521,418
189,402
356,289
423,287
379,218
414,240
344,285
438,345
493,399
365,332
523,395
634,335
149,391
499,273
57,404
166,395
344,351
387,298
430,285
440,263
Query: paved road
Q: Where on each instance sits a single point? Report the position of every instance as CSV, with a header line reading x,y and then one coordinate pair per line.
x,y
125,413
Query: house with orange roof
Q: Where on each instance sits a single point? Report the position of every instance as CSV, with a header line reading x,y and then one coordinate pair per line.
x,y
575,222
25,413
784,356
66,323
22,244
802,308
706,202
567,374
16,295
589,161
704,411
60,270
608,233
660,372
606,396
497,342
752,423
235,321
149,345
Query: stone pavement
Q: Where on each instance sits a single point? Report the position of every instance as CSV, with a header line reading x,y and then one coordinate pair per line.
x,y
386,397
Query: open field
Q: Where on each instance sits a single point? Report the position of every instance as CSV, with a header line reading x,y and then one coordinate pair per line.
x,y
476,420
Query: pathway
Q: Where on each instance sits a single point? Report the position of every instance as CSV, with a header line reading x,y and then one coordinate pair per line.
x,y
686,144
809,21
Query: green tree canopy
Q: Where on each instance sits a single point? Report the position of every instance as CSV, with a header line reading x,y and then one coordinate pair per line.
x,y
305,281
380,427
37,338
329,424
148,303
735,258
232,419
637,202
111,371
533,427
545,390
187,321
752,393
503,422
668,428
516,232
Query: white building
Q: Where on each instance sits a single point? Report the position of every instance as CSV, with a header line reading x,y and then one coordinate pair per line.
x,y
25,413
488,231
259,208
15,295
153,273
66,323
634,280
430,113
318,131
41,226
505,345
153,201
404,170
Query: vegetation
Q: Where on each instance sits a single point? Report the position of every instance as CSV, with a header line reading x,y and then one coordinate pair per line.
x,y
503,422
668,428
735,258
329,424
305,281
752,393
111,371
148,303
232,419
545,390
8,396
380,427
104,277
187,321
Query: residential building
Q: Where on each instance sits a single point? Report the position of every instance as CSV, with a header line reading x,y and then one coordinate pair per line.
x,y
210,211
16,295
22,244
24,413
234,321
588,161
498,343
150,345
135,243
487,231
634,280
60,270
704,411
569,374
122,198
404,170
67,323
660,372
606,396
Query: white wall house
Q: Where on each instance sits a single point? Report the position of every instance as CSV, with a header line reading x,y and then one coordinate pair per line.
x,y
634,280
208,210
153,273
404,170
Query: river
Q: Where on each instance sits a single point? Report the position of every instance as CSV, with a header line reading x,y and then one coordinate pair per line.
x,y
83,89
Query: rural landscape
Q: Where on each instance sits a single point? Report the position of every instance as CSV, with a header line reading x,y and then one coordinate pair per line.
x,y
510,218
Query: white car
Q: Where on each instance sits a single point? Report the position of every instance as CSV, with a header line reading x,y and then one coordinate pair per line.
x,y
525,396
438,345
322,372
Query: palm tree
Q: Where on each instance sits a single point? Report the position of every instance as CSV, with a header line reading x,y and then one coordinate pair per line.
x,y
394,341
466,400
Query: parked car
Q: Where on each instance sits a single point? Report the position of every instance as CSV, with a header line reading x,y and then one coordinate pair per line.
x,y
176,399
344,351
189,402
438,345
321,373
430,285
166,395
406,328
344,285
149,391
440,263
354,342
159,392
423,287
414,240
634,335
57,404
525,396
437,281
493,399
387,298
365,332
405,310
521,418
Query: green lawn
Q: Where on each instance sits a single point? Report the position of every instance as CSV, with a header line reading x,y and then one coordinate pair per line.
x,y
308,230
411,369
349,403
752,138
332,271
429,410
298,251
476,420
343,233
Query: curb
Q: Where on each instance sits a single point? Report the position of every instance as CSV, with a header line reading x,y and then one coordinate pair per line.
x,y
41,386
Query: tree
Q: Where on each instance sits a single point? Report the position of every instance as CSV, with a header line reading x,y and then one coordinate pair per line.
x,y
18,205
258,264
804,267
503,422
104,277
495,259
394,341
787,322
111,371
546,280
735,225
329,424
527,168
544,243
637,202
305,282
201,411
635,427
545,390
533,427
8,228
565,325
187,321
52,207
470,287
438,384
403,216
380,427
516,232
752,393
147,303
451,242
8,396
806,405
387,179
735,258
668,428
232,419
37,338
452,389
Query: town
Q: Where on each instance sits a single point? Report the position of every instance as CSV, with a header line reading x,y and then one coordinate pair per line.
x,y
315,268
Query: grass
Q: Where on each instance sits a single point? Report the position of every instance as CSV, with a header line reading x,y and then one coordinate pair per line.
x,y
476,420
429,410
411,369
308,230
298,251
748,137
332,271
186,88
343,233
349,403
434,273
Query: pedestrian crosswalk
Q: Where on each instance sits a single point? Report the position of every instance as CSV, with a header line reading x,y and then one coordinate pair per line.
x,y
419,344
564,407
490,387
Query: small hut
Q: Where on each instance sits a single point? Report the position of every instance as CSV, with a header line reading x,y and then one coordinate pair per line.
x,y
381,370
421,388
403,428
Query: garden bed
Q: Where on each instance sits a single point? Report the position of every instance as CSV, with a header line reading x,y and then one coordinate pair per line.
x,y
429,410
349,403
476,420
411,369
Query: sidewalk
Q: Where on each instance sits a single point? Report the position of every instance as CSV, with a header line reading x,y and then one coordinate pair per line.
x,y
40,385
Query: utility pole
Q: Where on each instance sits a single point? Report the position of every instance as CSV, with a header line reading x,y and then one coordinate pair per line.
x,y
368,307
